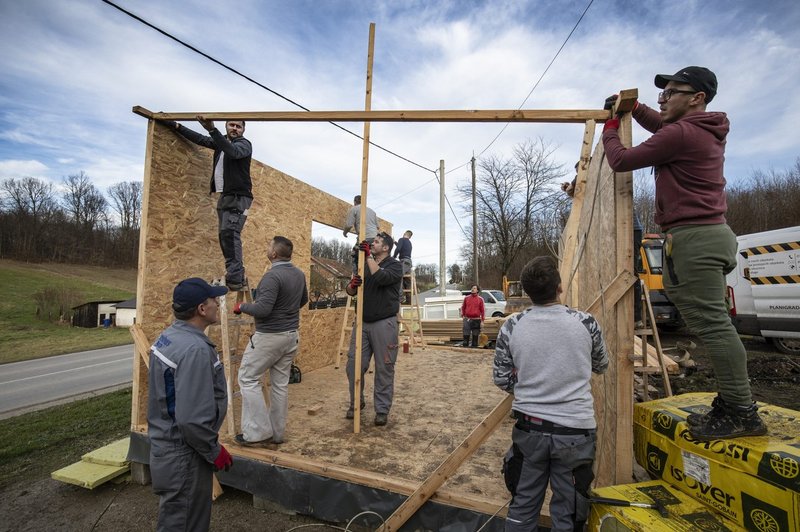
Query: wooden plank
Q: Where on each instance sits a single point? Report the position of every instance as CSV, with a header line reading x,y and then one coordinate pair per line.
x,y
216,488
449,466
620,286
357,384
623,192
570,251
141,345
556,116
652,357
626,101
114,454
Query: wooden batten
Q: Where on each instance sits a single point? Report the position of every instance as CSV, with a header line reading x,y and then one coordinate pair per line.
x,y
503,115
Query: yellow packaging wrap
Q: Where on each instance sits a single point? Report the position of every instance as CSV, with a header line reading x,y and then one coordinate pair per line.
x,y
753,481
685,513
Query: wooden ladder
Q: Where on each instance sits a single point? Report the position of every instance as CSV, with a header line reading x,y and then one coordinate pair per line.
x,y
347,326
409,316
231,334
649,329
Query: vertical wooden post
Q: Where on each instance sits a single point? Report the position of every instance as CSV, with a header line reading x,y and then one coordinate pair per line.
x,y
357,384
442,265
139,388
474,227
623,187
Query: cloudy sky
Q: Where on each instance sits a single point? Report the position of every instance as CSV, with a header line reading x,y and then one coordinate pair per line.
x,y
73,70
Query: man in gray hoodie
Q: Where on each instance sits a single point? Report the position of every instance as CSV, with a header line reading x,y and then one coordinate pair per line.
x,y
687,151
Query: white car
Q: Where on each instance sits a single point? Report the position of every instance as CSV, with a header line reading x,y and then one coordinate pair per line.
x,y
494,302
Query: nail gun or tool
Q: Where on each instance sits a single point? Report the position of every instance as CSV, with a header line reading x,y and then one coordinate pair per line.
x,y
619,502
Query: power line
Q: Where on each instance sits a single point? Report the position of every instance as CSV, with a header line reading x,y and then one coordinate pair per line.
x,y
535,85
251,80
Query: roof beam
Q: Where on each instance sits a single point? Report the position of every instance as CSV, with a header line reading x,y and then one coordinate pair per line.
x,y
512,115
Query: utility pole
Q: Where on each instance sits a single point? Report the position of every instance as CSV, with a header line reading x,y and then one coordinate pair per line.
x,y
474,227
442,268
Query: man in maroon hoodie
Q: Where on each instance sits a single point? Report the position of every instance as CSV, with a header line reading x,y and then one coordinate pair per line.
x,y
687,151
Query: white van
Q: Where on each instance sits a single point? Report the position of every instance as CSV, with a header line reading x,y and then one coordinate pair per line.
x,y
494,302
449,306
764,289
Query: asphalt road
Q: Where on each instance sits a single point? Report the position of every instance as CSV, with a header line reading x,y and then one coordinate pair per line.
x,y
34,384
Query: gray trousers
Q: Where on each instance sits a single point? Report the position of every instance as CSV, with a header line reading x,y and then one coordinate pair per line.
x,y
182,480
405,298
274,352
565,460
378,338
232,214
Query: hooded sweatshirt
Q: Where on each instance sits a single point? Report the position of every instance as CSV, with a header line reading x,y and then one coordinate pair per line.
x,y
688,157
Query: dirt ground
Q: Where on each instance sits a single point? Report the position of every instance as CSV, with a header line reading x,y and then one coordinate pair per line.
x,y
45,504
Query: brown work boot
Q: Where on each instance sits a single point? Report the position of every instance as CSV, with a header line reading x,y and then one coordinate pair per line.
x,y
729,421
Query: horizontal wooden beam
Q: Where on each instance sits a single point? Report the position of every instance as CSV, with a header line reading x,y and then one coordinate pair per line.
x,y
513,115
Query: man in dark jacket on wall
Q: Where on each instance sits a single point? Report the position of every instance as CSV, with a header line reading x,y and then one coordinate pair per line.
x,y
687,150
230,177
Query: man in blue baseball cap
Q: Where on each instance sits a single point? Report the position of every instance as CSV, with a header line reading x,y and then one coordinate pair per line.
x,y
687,152
184,413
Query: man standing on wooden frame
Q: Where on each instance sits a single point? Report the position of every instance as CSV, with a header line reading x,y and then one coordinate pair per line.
x,y
185,408
281,294
687,150
230,177
382,278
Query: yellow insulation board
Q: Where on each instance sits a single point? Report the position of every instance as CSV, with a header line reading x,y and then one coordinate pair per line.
x,y
113,454
685,513
754,481
88,475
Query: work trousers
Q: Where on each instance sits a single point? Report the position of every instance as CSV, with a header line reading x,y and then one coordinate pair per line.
x,y
232,214
696,260
566,460
274,352
405,297
471,328
378,338
182,480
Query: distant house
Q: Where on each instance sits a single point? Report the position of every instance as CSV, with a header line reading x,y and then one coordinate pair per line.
x,y
328,281
94,314
126,313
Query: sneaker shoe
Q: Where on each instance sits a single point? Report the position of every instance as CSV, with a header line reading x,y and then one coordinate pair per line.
x,y
239,438
733,422
381,419
717,408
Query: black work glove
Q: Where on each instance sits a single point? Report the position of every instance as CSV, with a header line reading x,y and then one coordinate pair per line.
x,y
610,101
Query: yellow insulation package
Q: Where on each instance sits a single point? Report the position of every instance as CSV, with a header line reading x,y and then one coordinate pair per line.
x,y
754,481
685,513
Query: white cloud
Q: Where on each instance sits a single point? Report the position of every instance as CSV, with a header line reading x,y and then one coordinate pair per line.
x,y
16,169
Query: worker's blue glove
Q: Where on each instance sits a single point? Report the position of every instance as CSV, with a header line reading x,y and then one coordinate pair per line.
x,y
224,460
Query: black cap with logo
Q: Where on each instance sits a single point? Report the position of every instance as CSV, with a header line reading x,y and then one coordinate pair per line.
x,y
700,78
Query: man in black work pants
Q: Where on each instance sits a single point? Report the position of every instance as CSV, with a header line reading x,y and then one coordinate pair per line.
x,y
230,177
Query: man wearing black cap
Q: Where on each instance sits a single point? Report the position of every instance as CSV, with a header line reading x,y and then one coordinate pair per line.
x,y
184,412
687,151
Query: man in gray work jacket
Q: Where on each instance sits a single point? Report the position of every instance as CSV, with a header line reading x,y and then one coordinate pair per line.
x,y
281,294
186,405
230,177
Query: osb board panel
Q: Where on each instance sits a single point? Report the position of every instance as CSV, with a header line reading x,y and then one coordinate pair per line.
x,y
457,392
597,267
180,240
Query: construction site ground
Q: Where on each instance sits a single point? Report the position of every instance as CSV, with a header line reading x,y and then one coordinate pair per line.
x,y
410,447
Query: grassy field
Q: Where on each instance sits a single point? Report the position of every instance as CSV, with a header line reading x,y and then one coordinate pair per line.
x,y
35,445
23,336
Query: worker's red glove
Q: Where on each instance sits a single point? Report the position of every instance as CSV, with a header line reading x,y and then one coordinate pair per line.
x,y
365,247
611,124
224,460
355,282
237,309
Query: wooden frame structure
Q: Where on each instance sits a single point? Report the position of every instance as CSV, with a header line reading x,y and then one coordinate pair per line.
x,y
178,232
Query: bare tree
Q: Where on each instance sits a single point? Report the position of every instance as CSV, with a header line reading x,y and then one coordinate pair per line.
x,y
644,200
426,276
513,196
126,200
85,204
